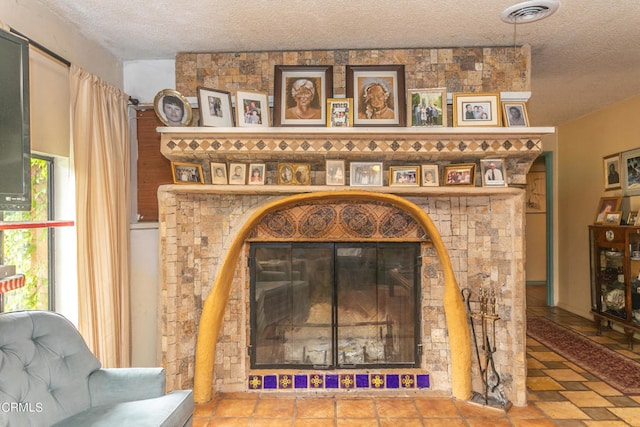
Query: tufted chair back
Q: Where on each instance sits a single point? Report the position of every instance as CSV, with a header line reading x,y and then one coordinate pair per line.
x,y
44,369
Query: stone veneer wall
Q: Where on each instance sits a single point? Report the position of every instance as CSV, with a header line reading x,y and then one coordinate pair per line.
x,y
484,236
478,69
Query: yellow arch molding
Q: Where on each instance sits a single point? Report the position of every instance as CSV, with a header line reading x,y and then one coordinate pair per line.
x,y
214,306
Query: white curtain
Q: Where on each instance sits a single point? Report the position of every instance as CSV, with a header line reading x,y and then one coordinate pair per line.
x,y
101,160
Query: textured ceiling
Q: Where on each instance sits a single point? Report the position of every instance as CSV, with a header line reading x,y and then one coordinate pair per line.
x,y
585,56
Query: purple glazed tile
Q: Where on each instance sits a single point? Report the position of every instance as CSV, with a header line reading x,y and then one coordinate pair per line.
x,y
347,381
407,381
316,381
377,381
285,381
330,381
423,380
362,381
300,381
255,382
270,382
393,381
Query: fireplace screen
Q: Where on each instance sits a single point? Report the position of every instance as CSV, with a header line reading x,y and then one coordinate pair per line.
x,y
334,305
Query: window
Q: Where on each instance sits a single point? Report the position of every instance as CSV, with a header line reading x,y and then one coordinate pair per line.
x,y
29,248
334,305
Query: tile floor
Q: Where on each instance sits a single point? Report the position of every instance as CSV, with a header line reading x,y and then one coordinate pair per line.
x,y
560,394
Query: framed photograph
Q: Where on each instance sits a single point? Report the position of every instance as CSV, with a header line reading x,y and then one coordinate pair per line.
x,y
215,107
605,206
632,218
611,169
515,114
256,173
378,94
427,107
404,176
335,172
476,109
630,167
536,192
219,173
430,176
493,172
187,173
237,173
363,174
300,94
252,109
460,174
172,108
339,112
613,218
294,174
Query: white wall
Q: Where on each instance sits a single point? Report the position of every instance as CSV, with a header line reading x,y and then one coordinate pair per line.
x,y
144,79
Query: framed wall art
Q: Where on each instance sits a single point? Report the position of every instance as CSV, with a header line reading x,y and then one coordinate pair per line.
x,y
252,109
378,94
335,172
364,174
172,108
218,173
237,173
256,173
515,114
300,94
460,174
632,218
605,206
215,107
339,112
630,167
430,176
187,173
476,109
611,169
613,218
294,174
493,173
404,176
427,107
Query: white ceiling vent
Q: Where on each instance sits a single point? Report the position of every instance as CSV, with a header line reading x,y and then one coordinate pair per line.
x,y
529,11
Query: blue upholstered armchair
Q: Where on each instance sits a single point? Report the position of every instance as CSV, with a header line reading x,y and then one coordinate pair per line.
x,y
49,377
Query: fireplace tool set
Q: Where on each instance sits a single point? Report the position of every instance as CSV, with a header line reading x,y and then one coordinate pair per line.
x,y
485,346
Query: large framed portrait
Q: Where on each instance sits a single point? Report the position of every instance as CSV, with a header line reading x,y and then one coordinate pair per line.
x,y
215,107
365,174
494,173
427,107
611,169
300,94
339,112
172,108
378,94
515,114
630,172
252,109
607,205
187,173
476,109
460,174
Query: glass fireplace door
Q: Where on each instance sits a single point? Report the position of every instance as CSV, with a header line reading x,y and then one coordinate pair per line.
x,y
333,305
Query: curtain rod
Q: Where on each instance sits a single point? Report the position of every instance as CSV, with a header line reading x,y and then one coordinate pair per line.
x,y
42,48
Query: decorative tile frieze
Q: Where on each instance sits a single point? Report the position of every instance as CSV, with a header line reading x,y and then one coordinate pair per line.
x,y
339,382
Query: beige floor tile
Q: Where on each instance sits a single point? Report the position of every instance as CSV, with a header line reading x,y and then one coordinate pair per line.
x,y
396,407
314,422
602,388
404,422
606,424
533,423
629,354
267,422
235,408
487,422
586,399
573,366
543,383
562,410
275,408
547,356
564,375
534,364
355,408
630,415
315,408
602,339
436,407
531,342
524,412
444,422
469,410
229,422
357,422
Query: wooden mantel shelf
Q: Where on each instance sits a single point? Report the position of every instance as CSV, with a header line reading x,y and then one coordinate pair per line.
x,y
518,146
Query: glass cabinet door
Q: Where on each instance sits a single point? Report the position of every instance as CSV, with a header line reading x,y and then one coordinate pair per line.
x,y
612,282
634,274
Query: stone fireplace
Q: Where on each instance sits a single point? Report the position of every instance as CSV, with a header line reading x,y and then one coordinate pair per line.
x,y
468,237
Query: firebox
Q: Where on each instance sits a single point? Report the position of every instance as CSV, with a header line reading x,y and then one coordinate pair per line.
x,y
322,305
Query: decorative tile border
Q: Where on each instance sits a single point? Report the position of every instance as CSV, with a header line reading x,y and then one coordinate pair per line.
x,y
321,381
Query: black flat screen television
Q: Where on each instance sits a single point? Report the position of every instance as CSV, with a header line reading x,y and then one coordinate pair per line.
x,y
15,146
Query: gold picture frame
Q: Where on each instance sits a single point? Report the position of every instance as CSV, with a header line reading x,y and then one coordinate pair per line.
x,y
427,107
476,109
463,174
404,176
339,112
187,173
294,174
606,205
172,108
515,114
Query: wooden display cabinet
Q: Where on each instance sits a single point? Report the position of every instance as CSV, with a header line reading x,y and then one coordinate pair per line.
x,y
615,277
